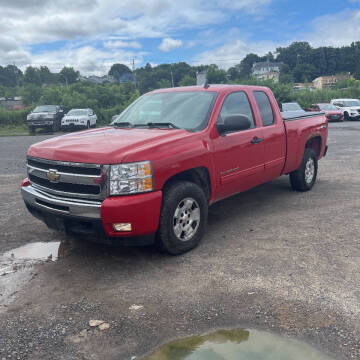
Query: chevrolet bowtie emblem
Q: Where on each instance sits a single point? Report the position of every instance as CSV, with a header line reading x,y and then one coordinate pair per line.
x,y
53,176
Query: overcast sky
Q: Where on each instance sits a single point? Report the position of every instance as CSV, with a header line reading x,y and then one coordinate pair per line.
x,y
90,35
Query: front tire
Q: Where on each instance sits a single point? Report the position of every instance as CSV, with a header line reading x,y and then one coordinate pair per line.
x,y
183,218
303,179
346,116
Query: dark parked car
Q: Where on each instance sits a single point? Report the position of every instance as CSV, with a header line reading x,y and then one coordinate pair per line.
x,y
45,116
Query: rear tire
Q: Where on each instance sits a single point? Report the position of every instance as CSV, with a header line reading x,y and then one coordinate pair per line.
x,y
183,218
303,179
88,125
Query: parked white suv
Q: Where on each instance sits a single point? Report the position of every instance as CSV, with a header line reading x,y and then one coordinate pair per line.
x,y
79,118
349,107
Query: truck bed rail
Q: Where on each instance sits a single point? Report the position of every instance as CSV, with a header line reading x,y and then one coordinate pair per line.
x,y
296,115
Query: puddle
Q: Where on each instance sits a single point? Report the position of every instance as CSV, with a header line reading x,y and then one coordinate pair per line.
x,y
237,345
38,251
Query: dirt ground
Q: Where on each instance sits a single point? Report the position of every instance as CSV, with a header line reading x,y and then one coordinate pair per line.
x,y
272,259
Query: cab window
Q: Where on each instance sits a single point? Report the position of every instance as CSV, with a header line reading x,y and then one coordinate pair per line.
x,y
236,103
265,109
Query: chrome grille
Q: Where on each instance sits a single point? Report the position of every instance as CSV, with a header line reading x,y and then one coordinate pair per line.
x,y
79,180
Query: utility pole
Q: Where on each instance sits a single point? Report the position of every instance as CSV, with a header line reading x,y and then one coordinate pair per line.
x,y
133,65
172,77
16,81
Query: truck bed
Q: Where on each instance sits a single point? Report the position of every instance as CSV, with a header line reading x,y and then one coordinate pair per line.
x,y
299,132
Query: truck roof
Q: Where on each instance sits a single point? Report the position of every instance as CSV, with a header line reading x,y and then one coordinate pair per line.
x,y
211,87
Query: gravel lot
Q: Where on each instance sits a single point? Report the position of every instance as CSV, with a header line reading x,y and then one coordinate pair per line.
x,y
272,259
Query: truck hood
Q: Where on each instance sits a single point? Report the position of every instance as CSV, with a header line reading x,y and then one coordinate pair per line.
x,y
41,115
105,145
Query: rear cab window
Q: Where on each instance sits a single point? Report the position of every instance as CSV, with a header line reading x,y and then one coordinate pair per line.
x,y
265,108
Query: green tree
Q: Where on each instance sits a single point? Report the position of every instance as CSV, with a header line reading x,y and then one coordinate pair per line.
x,y
304,73
163,84
233,73
32,76
245,66
295,53
216,75
46,76
10,75
30,93
118,70
51,95
68,75
187,80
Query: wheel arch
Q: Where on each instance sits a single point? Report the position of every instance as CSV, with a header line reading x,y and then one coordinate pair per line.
x,y
199,175
315,143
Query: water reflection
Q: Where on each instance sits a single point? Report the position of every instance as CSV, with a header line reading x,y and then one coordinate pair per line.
x,y
237,344
39,251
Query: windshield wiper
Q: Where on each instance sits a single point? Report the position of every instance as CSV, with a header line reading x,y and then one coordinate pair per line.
x,y
162,124
122,124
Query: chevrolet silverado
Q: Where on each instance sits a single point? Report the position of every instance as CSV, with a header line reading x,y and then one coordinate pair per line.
x,y
151,175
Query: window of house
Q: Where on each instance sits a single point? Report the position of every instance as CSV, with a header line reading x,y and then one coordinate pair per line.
x,y
265,109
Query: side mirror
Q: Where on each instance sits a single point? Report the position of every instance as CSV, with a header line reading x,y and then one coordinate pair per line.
x,y
234,123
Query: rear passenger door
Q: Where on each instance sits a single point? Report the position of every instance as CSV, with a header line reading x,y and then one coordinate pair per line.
x,y
274,137
239,155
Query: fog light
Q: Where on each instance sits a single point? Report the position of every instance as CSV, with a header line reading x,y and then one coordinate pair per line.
x,y
122,227
25,182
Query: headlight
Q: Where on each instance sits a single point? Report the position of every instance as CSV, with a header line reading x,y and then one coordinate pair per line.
x,y
131,178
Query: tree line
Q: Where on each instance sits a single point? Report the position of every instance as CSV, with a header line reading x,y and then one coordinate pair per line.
x,y
300,63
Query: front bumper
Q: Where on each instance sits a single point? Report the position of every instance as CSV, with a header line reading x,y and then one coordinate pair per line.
x,y
39,123
73,126
96,218
354,116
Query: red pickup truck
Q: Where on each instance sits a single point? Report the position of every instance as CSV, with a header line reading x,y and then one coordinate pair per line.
x,y
151,175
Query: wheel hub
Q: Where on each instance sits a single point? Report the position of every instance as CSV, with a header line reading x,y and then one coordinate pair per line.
x,y
309,170
186,219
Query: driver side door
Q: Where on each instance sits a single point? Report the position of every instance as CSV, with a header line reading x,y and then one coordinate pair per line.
x,y
239,156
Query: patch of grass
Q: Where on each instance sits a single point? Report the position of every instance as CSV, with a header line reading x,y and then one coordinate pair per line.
x,y
8,130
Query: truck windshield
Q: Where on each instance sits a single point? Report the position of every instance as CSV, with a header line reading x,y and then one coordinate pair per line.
x,y
351,103
45,108
77,112
184,110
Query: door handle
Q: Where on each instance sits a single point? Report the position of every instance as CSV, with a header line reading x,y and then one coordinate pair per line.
x,y
256,140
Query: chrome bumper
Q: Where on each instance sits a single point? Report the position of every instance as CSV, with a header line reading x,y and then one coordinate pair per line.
x,y
58,205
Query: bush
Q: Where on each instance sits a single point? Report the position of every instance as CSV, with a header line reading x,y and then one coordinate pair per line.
x,y
305,98
13,117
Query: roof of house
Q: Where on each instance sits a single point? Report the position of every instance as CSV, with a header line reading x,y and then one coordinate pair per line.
x,y
262,64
